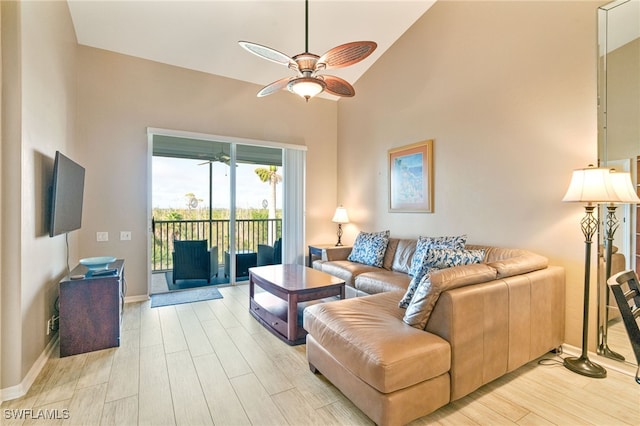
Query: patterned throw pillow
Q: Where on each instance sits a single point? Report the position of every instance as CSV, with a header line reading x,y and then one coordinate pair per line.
x,y
434,259
425,243
413,285
447,258
419,310
369,248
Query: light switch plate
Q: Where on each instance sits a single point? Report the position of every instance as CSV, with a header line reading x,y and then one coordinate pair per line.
x,y
125,235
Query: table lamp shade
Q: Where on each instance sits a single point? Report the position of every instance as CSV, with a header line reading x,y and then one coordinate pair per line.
x,y
623,187
340,215
592,185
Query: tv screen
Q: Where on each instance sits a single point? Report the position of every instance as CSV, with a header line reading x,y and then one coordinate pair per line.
x,y
66,196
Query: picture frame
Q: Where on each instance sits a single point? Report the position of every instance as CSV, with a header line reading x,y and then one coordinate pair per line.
x,y
411,178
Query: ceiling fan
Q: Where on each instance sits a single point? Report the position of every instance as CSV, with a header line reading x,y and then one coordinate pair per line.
x,y
308,82
221,157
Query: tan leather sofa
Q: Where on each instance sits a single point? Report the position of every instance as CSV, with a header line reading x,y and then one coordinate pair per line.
x,y
490,318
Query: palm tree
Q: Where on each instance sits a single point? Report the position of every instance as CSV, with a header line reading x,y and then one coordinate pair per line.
x,y
270,175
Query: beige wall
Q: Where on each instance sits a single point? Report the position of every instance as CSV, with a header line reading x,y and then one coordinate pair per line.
x,y
39,109
120,96
508,92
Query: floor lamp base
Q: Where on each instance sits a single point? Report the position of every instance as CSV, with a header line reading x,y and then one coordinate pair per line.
x,y
584,366
604,350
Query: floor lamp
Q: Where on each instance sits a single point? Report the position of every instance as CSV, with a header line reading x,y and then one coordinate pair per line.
x,y
623,188
591,186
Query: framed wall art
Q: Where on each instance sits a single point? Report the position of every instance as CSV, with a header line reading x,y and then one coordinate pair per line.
x,y
411,178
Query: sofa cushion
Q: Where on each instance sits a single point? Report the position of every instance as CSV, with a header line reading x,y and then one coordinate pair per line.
x,y
347,270
367,336
374,282
404,254
369,248
435,282
390,253
425,243
510,262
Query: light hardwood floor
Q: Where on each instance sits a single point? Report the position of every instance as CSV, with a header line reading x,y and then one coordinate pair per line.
x,y
212,363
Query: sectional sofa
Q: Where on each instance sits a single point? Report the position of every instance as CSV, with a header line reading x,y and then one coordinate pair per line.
x,y
477,322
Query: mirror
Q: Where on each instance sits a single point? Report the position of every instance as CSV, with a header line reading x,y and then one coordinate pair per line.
x,y
619,148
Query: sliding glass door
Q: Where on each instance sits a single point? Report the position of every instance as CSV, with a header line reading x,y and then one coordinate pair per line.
x,y
229,194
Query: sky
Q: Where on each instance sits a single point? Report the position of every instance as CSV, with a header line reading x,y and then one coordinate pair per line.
x,y
173,178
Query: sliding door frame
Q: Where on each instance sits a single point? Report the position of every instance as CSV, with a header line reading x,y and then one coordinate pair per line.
x,y
294,158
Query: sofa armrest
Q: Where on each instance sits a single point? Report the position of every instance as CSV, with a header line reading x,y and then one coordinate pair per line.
x,y
497,326
336,253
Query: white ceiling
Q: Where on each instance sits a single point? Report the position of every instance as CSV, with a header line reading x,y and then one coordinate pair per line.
x,y
203,35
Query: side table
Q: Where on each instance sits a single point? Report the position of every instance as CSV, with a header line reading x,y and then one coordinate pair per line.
x,y
319,251
245,259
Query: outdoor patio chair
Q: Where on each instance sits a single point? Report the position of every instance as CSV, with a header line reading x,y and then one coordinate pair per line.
x,y
192,260
629,305
270,255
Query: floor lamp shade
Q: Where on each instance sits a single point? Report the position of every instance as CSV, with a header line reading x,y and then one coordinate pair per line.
x,y
591,186
621,182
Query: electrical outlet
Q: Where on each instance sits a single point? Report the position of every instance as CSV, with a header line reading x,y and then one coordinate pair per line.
x,y
49,326
102,236
125,235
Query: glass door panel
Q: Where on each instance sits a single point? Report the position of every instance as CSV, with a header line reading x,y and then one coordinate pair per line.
x,y
258,207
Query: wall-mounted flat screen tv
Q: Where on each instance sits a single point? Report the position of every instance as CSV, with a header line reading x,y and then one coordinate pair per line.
x,y
66,196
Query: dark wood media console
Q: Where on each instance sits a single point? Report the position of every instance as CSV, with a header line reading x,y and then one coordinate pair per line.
x,y
91,310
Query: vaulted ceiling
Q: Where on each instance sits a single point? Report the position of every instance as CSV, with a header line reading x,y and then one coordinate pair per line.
x,y
203,35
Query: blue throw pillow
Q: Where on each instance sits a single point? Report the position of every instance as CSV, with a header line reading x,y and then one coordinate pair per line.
x,y
448,258
413,285
369,248
425,243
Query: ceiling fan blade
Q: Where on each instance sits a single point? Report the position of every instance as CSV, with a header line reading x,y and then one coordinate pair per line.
x,y
267,53
274,87
337,86
346,54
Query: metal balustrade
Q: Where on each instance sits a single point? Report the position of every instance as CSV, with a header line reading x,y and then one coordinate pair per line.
x,y
249,233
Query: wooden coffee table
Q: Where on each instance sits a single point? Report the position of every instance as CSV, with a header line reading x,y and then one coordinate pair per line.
x,y
288,289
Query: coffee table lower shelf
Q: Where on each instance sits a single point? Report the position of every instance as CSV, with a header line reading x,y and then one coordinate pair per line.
x,y
271,312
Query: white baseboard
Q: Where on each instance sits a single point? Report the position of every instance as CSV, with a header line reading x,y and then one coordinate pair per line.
x,y
609,364
136,299
21,389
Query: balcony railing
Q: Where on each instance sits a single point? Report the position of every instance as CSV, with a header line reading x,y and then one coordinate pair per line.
x,y
249,233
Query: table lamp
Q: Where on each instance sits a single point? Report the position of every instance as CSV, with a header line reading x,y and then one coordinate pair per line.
x,y
340,217
591,186
623,187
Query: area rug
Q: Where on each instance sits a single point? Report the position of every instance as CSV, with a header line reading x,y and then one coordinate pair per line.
x,y
185,284
184,296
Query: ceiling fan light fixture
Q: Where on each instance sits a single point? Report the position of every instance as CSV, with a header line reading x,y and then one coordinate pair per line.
x,y
308,82
306,87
